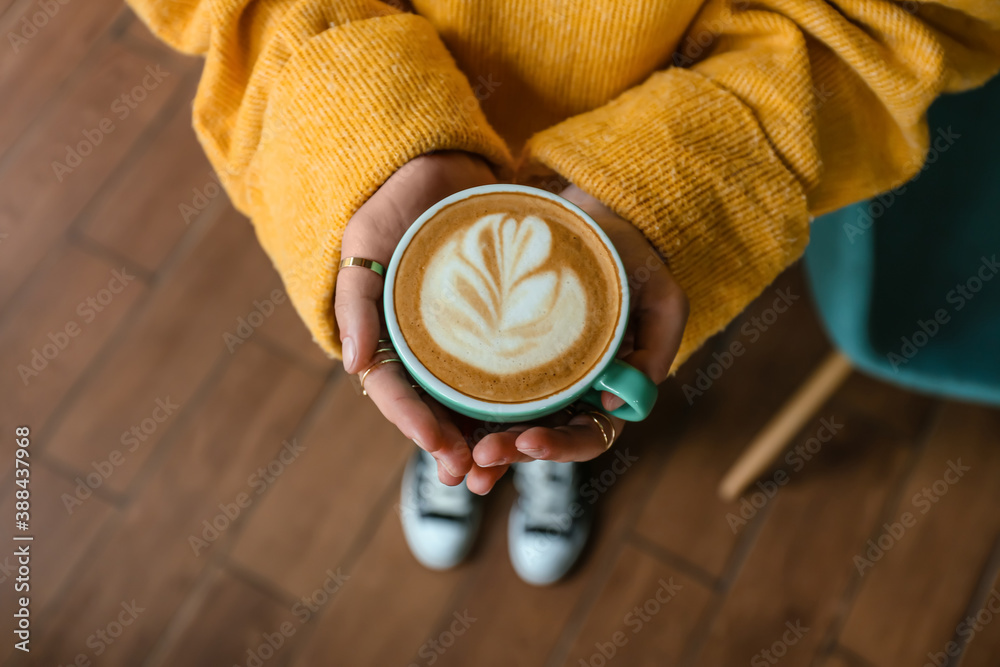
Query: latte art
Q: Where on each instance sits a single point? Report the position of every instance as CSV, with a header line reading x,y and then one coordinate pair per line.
x,y
507,297
489,299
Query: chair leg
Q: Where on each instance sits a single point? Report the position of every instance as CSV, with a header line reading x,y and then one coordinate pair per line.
x,y
774,437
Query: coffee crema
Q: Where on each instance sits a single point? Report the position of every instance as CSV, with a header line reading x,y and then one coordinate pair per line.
x,y
507,297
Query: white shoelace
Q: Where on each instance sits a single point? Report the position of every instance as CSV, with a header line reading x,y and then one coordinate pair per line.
x,y
440,498
546,491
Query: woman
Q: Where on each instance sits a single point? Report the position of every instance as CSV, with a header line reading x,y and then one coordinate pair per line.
x,y
703,135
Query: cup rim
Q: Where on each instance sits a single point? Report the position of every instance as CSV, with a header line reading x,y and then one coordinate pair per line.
x,y
429,381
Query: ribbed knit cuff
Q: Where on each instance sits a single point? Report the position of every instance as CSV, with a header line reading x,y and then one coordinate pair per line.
x,y
686,162
353,105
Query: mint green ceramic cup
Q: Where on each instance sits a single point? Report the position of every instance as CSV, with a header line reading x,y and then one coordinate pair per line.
x,y
609,374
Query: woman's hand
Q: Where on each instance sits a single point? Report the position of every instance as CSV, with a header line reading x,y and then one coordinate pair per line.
x,y
659,311
373,233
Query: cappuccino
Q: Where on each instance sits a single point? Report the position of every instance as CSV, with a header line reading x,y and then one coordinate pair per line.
x,y
507,297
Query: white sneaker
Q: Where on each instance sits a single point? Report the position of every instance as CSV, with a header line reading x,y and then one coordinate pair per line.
x,y
440,522
548,525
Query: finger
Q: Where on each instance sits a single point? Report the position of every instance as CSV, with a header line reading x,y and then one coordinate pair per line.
x,y
660,317
358,291
450,434
658,321
498,449
455,447
580,440
357,295
482,480
390,390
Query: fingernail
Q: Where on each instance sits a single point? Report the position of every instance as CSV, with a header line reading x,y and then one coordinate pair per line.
x,y
350,352
612,402
533,453
498,462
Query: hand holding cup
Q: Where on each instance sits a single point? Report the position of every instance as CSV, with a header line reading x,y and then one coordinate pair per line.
x,y
373,233
649,344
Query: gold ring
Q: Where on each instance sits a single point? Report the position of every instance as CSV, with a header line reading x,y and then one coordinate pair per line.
x,y
363,263
595,415
368,370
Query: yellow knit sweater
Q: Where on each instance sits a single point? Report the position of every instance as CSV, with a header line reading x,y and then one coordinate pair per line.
x,y
718,128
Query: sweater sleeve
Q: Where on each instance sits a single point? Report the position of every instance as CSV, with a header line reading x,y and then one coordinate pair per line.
x,y
305,107
773,111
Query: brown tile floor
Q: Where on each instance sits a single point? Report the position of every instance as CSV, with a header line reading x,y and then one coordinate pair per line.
x,y
314,563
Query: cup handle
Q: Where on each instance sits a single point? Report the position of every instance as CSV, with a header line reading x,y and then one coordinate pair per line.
x,y
627,383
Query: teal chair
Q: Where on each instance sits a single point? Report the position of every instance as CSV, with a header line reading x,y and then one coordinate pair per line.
x,y
907,284
930,251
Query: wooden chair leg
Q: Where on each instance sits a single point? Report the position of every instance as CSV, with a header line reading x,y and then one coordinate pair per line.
x,y
774,437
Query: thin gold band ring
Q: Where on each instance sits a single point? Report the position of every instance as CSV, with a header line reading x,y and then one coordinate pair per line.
x,y
368,370
596,416
363,263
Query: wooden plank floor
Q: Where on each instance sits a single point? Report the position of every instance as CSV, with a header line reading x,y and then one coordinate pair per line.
x,y
313,569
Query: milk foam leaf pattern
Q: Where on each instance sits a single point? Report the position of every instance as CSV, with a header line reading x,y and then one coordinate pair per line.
x,y
504,296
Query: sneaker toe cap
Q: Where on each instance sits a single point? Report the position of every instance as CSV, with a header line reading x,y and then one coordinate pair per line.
x,y
439,544
541,558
